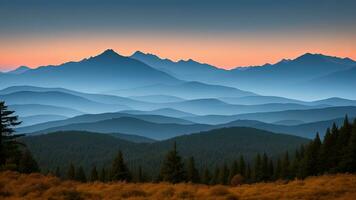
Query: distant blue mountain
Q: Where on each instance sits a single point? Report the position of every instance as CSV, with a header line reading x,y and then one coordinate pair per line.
x,y
54,98
188,70
157,98
25,110
19,70
187,90
107,71
306,115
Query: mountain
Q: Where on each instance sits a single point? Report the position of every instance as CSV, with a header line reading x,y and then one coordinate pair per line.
x,y
19,70
308,115
255,100
217,107
219,146
92,118
187,90
295,78
107,71
157,98
37,119
169,112
130,125
100,98
25,110
188,70
60,99
335,84
306,130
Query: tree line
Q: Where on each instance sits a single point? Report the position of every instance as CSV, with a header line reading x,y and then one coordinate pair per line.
x,y
336,153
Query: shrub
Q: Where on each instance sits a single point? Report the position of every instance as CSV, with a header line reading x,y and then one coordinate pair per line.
x,y
237,180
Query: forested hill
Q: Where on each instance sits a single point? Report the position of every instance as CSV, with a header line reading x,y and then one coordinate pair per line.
x,y
209,148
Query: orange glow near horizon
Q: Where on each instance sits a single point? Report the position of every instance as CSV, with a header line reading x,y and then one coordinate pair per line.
x,y
224,51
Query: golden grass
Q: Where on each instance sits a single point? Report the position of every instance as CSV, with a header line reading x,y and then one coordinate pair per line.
x,y
36,186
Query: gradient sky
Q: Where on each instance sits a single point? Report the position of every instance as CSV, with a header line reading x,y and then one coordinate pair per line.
x,y
223,33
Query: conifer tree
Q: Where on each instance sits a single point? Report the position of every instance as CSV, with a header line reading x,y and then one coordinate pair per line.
x,y
215,178
140,176
94,174
71,172
172,169
242,166
248,174
206,179
224,175
80,175
258,174
264,168
270,169
234,169
8,146
278,170
192,172
103,175
119,170
349,159
27,163
285,169
57,172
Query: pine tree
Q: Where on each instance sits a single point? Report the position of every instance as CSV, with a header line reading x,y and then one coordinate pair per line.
x,y
234,169
349,158
206,179
27,163
71,172
57,172
192,172
342,145
285,170
103,175
215,178
224,175
258,174
264,168
140,176
278,170
80,175
94,174
172,169
9,151
311,162
242,166
270,170
119,170
248,173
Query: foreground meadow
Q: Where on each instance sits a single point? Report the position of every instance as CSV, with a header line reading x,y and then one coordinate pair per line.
x,y
36,186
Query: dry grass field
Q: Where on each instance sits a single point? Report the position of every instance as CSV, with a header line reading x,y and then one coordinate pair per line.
x,y
36,186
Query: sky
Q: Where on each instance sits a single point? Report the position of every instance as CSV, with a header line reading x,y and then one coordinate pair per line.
x,y
223,33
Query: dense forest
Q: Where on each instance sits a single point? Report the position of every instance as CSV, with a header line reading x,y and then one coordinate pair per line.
x,y
335,153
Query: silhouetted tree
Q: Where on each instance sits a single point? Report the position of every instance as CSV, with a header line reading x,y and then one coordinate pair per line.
x,y
103,175
9,152
192,172
119,170
94,174
172,169
27,163
71,172
80,175
224,175
206,179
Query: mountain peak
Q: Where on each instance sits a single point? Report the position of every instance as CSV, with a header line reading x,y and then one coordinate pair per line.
x,y
109,52
19,70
